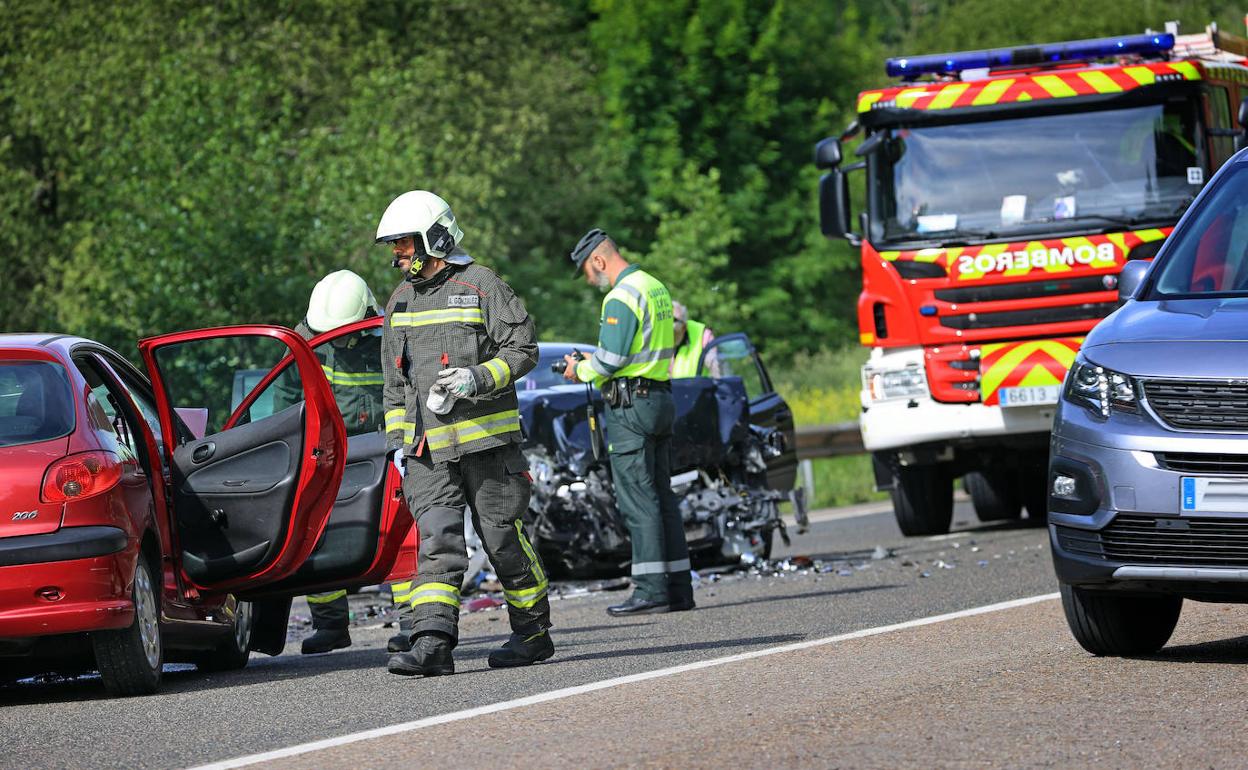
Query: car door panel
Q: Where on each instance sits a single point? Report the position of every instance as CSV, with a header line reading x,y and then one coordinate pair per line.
x,y
369,523
231,495
250,501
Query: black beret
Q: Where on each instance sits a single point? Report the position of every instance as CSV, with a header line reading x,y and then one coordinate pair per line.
x,y
585,247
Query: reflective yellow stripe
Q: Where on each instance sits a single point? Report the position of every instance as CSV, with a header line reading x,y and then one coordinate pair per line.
x,y
536,564
325,598
499,370
992,92
947,96
476,429
395,421
1054,85
351,378
401,593
1100,82
466,315
526,599
439,593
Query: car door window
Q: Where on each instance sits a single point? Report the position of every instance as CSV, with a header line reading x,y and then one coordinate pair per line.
x,y
104,407
733,356
351,363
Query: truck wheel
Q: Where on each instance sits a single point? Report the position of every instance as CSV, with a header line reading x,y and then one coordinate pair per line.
x,y
993,497
235,650
130,659
1107,624
922,500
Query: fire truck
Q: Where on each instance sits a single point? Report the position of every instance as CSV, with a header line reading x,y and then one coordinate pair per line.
x,y
1005,189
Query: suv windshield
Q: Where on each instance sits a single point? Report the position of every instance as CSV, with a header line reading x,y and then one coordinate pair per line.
x,y
1102,169
1209,256
36,403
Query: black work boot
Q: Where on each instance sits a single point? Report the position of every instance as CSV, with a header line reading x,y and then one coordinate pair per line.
x,y
430,656
400,642
636,605
325,640
523,650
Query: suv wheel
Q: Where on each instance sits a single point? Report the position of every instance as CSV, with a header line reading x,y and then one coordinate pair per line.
x,y
235,649
992,495
922,500
130,659
1105,623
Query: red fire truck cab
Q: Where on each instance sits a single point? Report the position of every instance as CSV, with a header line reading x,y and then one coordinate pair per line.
x,y
1005,190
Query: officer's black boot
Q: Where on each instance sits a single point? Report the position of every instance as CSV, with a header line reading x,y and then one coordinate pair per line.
x,y
523,650
430,656
325,640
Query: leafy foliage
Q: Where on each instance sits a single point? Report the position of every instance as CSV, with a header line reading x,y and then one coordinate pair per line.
x,y
166,165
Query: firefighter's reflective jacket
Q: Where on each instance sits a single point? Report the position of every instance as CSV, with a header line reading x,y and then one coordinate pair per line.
x,y
352,364
464,316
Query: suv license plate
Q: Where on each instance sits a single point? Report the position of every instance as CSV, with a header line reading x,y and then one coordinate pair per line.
x,y
1217,495
1036,395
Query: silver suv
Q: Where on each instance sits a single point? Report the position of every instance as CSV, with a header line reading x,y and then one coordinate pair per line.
x,y
1148,465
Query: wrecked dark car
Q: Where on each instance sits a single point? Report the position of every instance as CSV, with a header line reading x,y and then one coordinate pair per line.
x,y
733,462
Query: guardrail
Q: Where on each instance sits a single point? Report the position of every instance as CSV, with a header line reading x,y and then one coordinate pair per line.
x,y
834,440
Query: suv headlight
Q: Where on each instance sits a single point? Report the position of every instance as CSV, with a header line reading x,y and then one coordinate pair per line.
x,y
897,383
1099,389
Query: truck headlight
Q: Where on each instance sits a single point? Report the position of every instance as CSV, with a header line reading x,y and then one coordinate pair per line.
x,y
898,383
1099,389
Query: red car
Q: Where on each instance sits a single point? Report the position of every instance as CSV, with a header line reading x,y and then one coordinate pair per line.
x,y
134,533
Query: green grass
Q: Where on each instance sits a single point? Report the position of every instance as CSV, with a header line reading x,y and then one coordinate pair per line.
x,y
820,389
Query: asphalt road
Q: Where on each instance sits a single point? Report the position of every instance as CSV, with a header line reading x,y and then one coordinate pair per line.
x,y
292,699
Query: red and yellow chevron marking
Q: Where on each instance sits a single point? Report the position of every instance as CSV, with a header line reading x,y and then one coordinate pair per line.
x,y
1023,364
1055,256
1054,84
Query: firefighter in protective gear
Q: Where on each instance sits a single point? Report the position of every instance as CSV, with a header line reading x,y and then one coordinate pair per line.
x,y
352,365
631,367
691,338
454,324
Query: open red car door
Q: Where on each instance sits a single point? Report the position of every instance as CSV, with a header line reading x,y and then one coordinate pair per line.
x,y
366,539
249,501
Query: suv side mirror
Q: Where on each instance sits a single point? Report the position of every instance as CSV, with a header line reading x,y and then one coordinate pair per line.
x,y
1130,278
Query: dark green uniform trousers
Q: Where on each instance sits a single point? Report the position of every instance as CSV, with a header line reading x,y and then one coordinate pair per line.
x,y
495,485
640,450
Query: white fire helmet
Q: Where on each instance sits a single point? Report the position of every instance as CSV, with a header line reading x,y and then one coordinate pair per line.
x,y
424,216
338,299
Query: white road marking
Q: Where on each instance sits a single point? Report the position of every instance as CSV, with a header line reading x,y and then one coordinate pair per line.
x,y
568,692
950,536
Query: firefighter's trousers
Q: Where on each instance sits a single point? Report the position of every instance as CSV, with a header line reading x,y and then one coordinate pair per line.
x,y
640,451
330,609
494,484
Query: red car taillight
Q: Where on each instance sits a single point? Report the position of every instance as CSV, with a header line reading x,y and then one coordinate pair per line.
x,y
81,475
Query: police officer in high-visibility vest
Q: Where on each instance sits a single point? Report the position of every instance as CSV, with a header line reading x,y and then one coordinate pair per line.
x,y
630,366
456,338
691,338
352,365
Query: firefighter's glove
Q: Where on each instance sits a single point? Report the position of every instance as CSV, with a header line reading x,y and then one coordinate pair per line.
x,y
399,465
458,382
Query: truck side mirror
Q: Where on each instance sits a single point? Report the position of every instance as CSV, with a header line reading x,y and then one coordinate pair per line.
x,y
1130,278
834,206
828,153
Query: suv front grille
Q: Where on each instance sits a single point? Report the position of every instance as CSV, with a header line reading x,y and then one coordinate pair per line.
x,y
1199,404
1163,541
1196,462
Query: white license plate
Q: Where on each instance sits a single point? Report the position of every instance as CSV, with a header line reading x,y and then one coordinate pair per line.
x,y
1035,395
1227,494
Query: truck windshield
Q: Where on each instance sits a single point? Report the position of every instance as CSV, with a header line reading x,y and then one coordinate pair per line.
x,y
1209,256
1046,173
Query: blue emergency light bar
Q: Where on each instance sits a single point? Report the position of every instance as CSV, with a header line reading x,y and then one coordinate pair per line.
x,y
910,68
